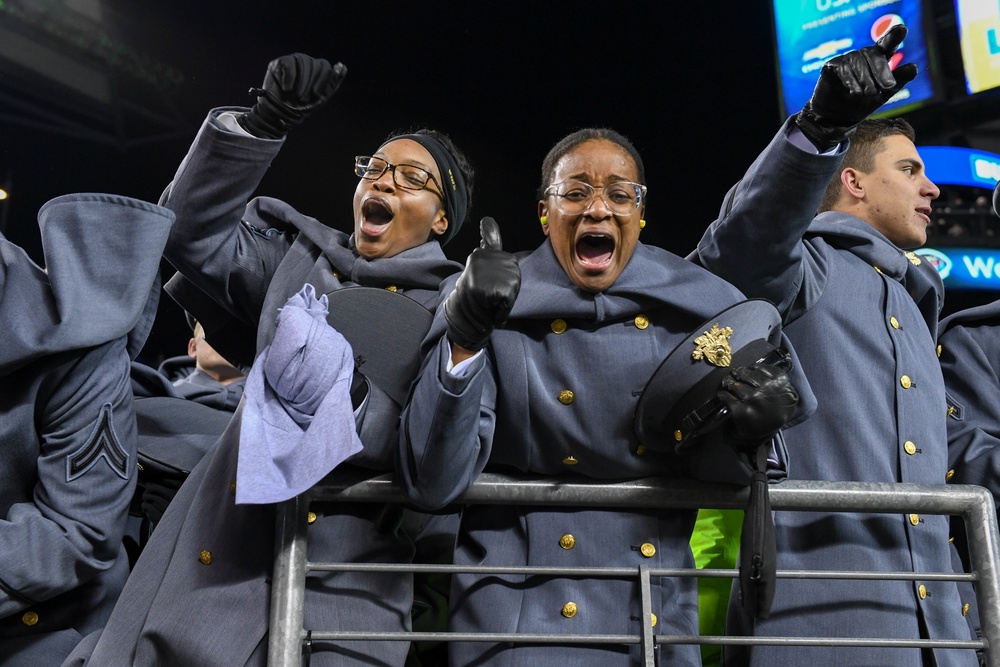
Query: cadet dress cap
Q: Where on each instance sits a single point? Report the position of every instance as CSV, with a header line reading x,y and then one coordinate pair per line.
x,y
680,399
385,330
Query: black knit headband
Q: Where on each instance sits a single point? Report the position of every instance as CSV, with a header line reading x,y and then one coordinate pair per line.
x,y
456,195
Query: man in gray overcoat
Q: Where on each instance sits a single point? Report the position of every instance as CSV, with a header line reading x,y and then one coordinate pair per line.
x,y
862,313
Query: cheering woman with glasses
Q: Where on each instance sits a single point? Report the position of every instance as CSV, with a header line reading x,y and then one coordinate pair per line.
x,y
538,360
238,264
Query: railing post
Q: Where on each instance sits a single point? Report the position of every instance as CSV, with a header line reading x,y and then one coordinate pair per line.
x,y
648,646
288,585
981,528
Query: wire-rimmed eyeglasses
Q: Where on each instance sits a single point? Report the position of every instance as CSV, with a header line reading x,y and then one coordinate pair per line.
x,y
575,197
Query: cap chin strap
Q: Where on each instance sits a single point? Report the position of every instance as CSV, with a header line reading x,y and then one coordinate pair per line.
x,y
758,551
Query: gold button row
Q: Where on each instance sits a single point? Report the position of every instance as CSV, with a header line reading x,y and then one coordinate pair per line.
x,y
559,326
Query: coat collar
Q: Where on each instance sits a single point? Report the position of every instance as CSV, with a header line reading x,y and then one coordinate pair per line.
x,y
857,237
422,267
652,278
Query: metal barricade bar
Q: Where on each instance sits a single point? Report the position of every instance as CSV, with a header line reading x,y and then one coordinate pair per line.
x,y
972,503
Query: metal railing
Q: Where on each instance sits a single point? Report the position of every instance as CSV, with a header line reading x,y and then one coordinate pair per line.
x,y
973,504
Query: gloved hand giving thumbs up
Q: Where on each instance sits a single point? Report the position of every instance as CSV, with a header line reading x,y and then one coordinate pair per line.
x,y
485,292
851,87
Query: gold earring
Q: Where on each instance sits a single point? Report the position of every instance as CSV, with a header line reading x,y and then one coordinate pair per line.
x,y
642,224
544,220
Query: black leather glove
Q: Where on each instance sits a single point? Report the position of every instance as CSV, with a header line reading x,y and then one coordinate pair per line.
x,y
485,292
851,87
760,399
159,488
294,86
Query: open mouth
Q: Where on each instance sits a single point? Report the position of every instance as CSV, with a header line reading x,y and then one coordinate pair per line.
x,y
375,216
594,251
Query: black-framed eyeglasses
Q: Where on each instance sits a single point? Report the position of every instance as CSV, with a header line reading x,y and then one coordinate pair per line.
x,y
406,176
575,197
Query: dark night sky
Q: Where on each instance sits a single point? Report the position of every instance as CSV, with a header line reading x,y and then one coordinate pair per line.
x,y
692,84
693,88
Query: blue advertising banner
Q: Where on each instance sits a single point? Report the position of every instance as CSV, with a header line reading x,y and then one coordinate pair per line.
x,y
953,165
965,268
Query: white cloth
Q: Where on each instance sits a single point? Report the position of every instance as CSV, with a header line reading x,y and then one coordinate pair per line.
x,y
298,423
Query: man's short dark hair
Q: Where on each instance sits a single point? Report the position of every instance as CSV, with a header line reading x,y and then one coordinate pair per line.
x,y
866,143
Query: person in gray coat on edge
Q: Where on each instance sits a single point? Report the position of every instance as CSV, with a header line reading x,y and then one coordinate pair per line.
x,y
862,312
969,344
238,264
68,461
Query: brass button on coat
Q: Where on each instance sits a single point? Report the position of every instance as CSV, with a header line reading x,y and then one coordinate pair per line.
x,y
569,610
906,382
571,460
205,557
910,448
311,517
948,475
647,550
640,450
965,609
678,436
30,618
232,487
558,326
914,519
391,288
922,591
951,410
641,321
567,541
565,396
894,322
939,351
653,620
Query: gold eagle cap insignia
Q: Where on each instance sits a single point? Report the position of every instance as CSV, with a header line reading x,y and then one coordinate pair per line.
x,y
713,346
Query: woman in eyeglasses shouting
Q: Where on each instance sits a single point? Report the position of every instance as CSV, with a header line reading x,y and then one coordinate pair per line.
x,y
238,264
539,360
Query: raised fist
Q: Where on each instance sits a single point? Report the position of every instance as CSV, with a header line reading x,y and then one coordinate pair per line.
x,y
851,87
294,86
